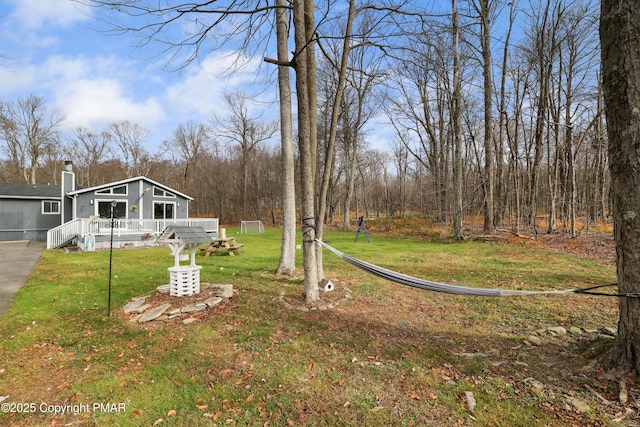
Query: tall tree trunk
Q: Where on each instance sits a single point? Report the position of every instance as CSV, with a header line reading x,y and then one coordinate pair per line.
x,y
620,41
303,43
457,131
287,264
601,168
351,163
489,174
501,190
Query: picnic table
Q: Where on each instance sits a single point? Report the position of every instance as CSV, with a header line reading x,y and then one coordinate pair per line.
x,y
222,244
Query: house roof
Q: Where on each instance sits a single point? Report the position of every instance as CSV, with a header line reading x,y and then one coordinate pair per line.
x,y
29,191
184,233
126,181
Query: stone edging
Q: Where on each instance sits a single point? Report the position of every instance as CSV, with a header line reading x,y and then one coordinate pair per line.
x,y
212,296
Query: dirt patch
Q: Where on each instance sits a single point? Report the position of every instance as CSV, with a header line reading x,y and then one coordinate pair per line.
x,y
339,293
596,246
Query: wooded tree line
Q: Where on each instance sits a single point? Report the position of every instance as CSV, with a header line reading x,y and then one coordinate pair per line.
x,y
533,138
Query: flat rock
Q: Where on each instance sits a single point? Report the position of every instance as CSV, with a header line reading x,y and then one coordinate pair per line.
x,y
191,308
577,404
575,330
189,320
213,301
135,307
534,340
154,313
224,291
558,330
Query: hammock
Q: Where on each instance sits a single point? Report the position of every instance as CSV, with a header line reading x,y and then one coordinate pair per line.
x,y
428,285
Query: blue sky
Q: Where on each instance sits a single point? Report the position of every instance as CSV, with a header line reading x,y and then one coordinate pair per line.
x,y
52,48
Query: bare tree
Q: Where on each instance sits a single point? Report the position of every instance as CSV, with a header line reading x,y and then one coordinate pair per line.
x,y
304,66
28,131
502,179
287,263
341,68
246,131
188,144
129,147
401,159
418,106
485,10
544,50
456,113
356,104
88,150
578,52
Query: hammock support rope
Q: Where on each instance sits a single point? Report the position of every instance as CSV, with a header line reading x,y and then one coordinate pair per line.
x,y
429,285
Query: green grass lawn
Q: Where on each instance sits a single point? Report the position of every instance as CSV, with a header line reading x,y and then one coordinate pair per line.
x,y
389,355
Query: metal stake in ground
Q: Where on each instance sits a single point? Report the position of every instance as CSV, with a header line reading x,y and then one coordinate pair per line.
x,y
113,206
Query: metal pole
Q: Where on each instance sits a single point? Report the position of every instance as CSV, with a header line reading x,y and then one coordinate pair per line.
x,y
113,205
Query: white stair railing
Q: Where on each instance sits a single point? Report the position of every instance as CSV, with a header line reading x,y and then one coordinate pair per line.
x,y
61,234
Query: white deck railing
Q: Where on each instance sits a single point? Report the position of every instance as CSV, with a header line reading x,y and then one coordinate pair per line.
x,y
121,227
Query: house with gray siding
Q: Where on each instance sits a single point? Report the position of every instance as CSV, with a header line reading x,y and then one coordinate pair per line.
x,y
132,211
28,211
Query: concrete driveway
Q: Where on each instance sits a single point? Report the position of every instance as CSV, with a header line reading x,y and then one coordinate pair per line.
x,y
16,262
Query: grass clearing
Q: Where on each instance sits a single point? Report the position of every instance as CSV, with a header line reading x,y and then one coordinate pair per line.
x,y
389,355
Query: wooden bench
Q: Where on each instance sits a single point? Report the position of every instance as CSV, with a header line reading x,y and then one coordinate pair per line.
x,y
230,249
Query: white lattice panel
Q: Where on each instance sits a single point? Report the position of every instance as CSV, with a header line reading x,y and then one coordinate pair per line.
x,y
184,280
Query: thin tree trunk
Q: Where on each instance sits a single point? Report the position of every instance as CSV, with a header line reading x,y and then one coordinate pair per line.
x,y
457,131
489,174
333,128
502,178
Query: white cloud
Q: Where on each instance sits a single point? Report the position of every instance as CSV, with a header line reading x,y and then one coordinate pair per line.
x,y
202,91
16,79
96,102
36,13
89,92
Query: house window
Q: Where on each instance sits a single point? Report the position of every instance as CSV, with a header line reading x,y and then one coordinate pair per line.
x,y
120,190
104,209
50,207
163,210
159,192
